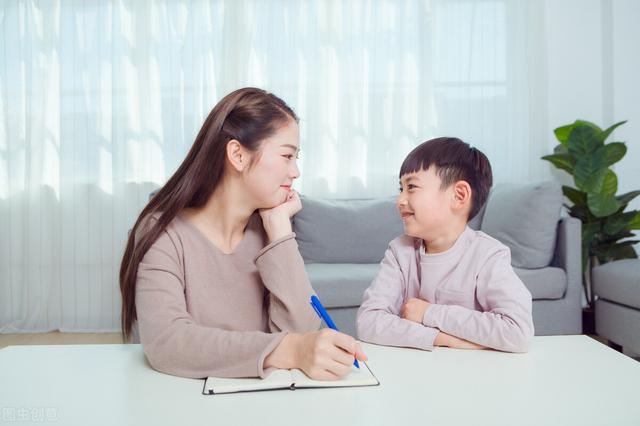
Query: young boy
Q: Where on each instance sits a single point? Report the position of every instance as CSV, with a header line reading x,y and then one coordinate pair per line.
x,y
442,283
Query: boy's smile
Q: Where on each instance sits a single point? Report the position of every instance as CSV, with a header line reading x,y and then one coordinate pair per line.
x,y
405,214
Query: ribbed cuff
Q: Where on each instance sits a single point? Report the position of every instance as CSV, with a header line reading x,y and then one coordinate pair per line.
x,y
430,337
432,315
262,373
274,244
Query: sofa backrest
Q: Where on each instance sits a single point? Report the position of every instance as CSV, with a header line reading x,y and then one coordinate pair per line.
x,y
346,231
523,217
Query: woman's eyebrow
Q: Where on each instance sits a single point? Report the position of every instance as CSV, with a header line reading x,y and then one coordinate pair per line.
x,y
286,145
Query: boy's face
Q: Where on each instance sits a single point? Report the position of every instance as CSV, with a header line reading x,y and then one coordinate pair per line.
x,y
425,208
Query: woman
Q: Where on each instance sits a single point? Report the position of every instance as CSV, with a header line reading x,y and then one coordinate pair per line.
x,y
212,273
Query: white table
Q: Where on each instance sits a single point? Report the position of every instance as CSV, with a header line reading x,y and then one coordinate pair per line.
x,y
564,380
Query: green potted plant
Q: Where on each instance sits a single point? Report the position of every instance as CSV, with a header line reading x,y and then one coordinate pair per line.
x,y
607,229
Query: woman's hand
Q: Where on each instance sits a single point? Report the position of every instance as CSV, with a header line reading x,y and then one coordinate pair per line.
x,y
444,339
322,355
277,220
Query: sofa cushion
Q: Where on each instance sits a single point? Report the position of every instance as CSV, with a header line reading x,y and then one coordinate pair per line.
x,y
544,283
618,282
346,231
341,284
525,218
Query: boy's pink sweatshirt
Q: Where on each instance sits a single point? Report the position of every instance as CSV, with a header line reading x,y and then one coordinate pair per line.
x,y
475,295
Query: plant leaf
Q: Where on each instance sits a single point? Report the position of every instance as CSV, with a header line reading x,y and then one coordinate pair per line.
x,y
589,172
610,130
623,250
561,161
635,222
581,211
626,198
589,124
617,252
562,133
617,223
574,195
605,238
613,152
610,185
602,205
583,140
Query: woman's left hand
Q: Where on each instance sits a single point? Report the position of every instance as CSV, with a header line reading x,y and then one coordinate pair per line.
x,y
277,220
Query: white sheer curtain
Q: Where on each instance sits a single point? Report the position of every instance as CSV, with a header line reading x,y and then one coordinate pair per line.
x,y
100,100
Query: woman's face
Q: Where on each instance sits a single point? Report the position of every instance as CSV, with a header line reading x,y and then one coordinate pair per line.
x,y
270,178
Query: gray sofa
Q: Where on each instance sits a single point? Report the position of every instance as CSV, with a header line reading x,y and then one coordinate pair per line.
x,y
617,285
343,242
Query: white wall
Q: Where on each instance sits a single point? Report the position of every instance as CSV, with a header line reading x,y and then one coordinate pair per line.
x,y
593,72
573,45
626,90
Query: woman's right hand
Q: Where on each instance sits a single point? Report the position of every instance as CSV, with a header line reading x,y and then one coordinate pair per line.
x,y
322,355
277,220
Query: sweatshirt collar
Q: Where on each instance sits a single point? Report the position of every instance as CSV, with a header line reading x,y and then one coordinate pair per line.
x,y
458,248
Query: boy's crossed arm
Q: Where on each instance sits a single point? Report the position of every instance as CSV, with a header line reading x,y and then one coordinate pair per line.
x,y
506,323
414,310
380,320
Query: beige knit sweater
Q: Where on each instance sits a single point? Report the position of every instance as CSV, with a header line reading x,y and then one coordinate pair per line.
x,y
202,312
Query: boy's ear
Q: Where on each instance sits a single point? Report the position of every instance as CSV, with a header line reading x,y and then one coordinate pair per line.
x,y
237,155
461,194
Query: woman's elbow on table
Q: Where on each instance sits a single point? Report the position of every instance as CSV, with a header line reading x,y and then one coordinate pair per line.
x,y
160,359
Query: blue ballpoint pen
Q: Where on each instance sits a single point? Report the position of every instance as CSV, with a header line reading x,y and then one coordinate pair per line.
x,y
322,313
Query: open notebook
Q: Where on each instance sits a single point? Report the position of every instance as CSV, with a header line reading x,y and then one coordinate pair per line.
x,y
288,379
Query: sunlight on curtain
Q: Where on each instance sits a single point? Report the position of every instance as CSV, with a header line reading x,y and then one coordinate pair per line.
x,y
100,101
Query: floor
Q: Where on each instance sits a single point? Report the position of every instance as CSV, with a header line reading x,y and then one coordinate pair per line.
x,y
57,338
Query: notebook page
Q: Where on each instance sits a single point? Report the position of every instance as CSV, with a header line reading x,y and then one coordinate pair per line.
x,y
357,377
278,379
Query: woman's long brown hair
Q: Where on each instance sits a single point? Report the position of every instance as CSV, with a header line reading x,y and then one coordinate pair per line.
x,y
247,115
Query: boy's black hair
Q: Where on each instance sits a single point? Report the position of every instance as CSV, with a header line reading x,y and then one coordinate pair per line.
x,y
454,160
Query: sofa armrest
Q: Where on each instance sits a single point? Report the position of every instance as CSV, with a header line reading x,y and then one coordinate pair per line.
x,y
568,254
